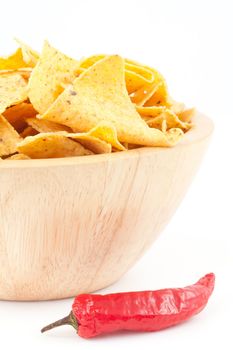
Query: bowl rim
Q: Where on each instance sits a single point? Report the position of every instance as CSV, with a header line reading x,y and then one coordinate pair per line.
x,y
202,129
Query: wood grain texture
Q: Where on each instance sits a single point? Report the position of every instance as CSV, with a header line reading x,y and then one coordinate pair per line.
x,y
76,225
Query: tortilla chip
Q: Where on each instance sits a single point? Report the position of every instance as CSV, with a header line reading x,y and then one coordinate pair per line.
x,y
130,66
134,81
106,131
51,145
171,119
28,131
106,135
91,140
140,69
142,95
23,57
92,143
153,77
160,96
154,92
187,115
24,72
30,56
155,117
46,125
150,112
18,156
138,76
8,138
13,90
164,126
89,61
13,61
53,69
17,114
177,107
135,76
174,135
99,95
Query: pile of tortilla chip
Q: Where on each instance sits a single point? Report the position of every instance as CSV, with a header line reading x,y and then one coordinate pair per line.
x,y
54,106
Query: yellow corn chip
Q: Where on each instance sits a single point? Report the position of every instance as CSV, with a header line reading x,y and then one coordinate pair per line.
x,y
160,96
54,106
30,56
24,72
155,117
23,57
8,138
154,91
130,66
150,112
134,81
142,95
18,156
92,143
13,61
89,140
28,131
52,71
135,76
46,125
106,131
164,126
17,114
139,69
174,135
78,71
89,61
177,107
184,114
187,115
13,90
51,145
99,95
172,121
106,135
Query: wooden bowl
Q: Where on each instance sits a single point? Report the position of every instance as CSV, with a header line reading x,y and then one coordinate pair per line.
x,y
75,225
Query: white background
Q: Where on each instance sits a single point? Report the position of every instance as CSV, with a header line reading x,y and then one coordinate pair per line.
x,y
189,42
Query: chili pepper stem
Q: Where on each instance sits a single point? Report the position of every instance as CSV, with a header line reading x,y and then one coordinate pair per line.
x,y
70,320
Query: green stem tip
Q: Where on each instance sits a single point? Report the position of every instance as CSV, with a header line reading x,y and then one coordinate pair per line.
x,y
70,320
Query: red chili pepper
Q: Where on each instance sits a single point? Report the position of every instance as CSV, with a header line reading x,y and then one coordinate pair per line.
x,y
94,314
